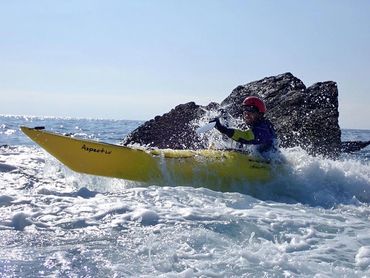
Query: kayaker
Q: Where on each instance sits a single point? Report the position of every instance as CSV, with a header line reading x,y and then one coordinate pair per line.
x,y
260,133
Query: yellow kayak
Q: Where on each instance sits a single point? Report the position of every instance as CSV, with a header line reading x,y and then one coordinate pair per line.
x,y
213,169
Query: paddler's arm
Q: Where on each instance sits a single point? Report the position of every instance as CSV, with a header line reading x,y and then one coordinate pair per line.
x,y
241,136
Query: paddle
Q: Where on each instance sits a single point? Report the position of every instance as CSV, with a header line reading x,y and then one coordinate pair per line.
x,y
212,123
205,128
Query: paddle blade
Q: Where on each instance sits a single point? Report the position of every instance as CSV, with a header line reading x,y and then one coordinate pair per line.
x,y
205,128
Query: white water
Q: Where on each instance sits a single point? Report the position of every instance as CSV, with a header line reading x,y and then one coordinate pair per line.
x,y
312,221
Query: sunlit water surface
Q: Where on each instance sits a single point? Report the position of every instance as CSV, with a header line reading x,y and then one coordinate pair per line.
x,y
313,221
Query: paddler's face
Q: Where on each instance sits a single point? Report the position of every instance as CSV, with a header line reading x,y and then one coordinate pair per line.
x,y
250,115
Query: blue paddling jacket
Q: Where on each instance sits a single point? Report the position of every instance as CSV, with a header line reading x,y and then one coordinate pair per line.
x,y
262,134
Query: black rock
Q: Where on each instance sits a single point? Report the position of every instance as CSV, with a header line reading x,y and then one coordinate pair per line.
x,y
172,130
306,117
353,146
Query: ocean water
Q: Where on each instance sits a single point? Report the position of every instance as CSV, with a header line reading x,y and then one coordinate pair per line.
x,y
313,221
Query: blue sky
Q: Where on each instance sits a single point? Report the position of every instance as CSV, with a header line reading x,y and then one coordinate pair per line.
x,y
138,59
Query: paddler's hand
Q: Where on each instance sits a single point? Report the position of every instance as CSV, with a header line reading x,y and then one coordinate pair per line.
x,y
217,121
214,120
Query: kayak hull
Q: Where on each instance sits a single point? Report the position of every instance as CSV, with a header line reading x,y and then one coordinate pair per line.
x,y
214,169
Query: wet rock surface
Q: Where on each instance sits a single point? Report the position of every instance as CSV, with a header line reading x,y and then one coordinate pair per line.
x,y
171,130
306,117
302,116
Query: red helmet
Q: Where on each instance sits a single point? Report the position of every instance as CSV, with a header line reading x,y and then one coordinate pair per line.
x,y
255,102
